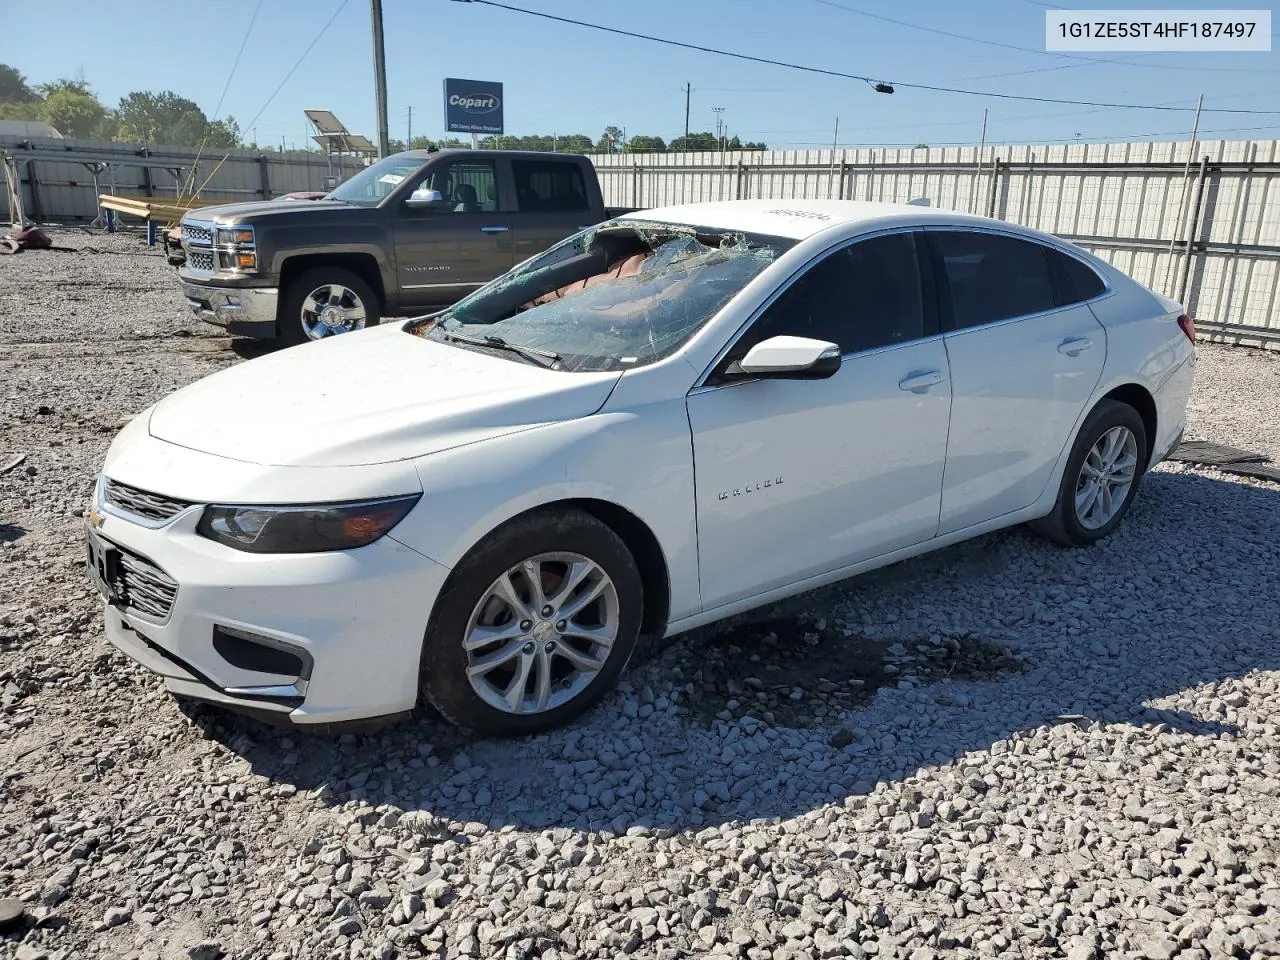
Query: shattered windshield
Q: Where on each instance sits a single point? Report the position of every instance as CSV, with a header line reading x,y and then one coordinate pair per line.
x,y
615,297
375,181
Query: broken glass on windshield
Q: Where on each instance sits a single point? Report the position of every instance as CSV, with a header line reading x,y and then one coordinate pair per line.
x,y
612,298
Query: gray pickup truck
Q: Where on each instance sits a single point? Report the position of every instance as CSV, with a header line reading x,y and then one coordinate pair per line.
x,y
415,231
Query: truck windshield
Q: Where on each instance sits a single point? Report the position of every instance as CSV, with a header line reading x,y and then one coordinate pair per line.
x,y
615,297
370,185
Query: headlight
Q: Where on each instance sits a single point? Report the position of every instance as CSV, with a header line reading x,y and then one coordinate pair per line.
x,y
230,236
235,248
304,529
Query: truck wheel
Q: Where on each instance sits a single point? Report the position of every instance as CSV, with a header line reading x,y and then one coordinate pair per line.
x,y
533,626
325,301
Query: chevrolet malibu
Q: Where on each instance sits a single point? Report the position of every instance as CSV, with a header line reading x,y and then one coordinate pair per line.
x,y
660,422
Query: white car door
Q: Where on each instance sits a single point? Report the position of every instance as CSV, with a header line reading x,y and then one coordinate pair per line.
x,y
1023,361
795,478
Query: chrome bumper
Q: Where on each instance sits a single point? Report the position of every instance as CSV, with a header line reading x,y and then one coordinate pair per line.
x,y
247,310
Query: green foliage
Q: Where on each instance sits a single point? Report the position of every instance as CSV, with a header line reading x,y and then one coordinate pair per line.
x,y
166,118
76,114
14,88
644,144
22,110
709,141
610,141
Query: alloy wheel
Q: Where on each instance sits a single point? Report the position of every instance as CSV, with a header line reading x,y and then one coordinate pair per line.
x,y
541,633
1106,476
331,309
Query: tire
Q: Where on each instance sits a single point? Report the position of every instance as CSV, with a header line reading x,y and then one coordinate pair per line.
x,y
323,282
1076,524
472,607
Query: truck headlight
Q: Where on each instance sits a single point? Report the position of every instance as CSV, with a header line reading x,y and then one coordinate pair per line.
x,y
235,248
311,528
232,236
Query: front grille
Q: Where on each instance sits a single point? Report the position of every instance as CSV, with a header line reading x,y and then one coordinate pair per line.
x,y
199,260
151,506
197,236
145,588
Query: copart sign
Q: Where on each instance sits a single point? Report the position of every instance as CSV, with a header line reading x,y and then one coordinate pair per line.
x,y
472,106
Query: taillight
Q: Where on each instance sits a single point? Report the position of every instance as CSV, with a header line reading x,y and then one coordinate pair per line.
x,y
1188,326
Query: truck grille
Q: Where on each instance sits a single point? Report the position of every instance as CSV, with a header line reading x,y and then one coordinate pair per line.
x,y
200,260
196,235
151,506
145,588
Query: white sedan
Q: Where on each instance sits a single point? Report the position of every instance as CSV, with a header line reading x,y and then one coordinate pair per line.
x,y
665,420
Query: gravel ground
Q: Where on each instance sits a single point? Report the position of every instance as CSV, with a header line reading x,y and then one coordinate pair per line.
x,y
1002,749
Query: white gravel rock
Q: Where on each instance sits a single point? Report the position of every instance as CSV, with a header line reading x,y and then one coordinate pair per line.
x,y
1003,749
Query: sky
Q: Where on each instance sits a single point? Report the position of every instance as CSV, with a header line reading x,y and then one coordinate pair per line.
x,y
563,79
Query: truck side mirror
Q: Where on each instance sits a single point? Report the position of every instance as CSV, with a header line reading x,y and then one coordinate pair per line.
x,y
425,200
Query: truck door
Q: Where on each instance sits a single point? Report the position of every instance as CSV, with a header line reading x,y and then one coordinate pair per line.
x,y
551,203
448,249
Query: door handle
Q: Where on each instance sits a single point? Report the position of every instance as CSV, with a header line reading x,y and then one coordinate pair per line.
x,y
1074,346
921,381
494,229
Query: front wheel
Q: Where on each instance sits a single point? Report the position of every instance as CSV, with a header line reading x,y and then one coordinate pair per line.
x,y
323,302
1101,479
534,626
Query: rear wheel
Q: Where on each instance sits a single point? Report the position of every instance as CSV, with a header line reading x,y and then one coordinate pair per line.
x,y
534,626
324,302
1102,476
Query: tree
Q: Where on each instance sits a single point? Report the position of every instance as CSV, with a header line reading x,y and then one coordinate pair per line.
x,y
610,141
643,144
695,142
64,86
167,118
75,113
13,86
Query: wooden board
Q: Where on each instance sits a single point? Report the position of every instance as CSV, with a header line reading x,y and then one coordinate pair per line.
x,y
154,208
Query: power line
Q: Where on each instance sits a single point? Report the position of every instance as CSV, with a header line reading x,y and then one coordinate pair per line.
x,y
851,76
298,62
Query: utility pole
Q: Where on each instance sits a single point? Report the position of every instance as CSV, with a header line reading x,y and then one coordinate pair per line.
x,y
688,93
719,126
408,143
380,79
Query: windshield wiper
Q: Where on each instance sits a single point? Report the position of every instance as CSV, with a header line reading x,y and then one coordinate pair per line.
x,y
543,358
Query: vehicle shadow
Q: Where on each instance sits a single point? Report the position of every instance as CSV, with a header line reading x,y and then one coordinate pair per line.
x,y
11,531
893,685
247,348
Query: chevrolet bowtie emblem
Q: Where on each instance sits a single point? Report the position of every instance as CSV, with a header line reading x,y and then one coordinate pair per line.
x,y
93,517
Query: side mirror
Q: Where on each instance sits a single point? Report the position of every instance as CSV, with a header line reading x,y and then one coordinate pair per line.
x,y
789,358
425,200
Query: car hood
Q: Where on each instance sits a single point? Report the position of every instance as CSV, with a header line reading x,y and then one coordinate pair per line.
x,y
370,397
257,210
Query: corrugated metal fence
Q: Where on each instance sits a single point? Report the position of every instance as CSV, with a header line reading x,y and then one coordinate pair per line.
x,y
1206,233
58,174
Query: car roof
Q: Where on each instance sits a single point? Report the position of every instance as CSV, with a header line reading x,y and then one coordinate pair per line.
x,y
798,219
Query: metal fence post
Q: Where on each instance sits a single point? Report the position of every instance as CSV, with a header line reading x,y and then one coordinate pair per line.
x,y
635,184
996,167
264,176
844,172
1193,230
739,190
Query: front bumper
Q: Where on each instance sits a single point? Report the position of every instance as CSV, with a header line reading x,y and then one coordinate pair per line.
x,y
247,311
355,618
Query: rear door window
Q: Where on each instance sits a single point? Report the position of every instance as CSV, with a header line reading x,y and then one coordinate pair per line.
x,y
549,186
1073,281
992,277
